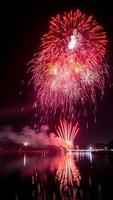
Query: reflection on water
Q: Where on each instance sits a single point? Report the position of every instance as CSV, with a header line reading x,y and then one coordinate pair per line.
x,y
24,159
67,173
64,185
73,176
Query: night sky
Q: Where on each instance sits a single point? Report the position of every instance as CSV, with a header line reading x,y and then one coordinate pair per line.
x,y
22,25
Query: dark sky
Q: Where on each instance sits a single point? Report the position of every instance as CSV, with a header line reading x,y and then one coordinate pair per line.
x,y
22,25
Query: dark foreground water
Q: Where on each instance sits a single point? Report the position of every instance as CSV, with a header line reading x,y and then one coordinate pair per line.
x,y
68,176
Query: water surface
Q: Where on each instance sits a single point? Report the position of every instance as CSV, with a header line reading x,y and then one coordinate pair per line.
x,y
67,176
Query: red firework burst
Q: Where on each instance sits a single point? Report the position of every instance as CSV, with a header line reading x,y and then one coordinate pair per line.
x,y
71,64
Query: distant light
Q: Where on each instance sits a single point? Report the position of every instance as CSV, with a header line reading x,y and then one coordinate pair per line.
x,y
90,148
25,143
105,148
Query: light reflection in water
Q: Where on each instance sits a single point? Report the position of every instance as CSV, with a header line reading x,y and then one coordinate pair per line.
x,y
89,156
67,172
82,155
24,159
64,185
61,177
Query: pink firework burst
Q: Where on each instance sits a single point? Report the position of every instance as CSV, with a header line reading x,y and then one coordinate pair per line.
x,y
71,63
67,133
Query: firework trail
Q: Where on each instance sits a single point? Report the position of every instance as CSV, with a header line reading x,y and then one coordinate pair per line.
x,y
70,66
67,133
67,173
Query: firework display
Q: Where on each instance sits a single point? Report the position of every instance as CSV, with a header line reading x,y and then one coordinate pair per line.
x,y
67,133
70,66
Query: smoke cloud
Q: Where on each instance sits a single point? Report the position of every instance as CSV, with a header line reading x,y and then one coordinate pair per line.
x,y
30,137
